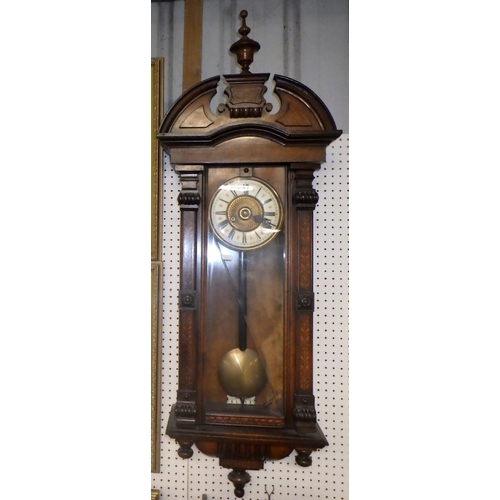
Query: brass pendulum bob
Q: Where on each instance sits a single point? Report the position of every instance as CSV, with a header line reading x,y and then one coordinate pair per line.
x,y
241,371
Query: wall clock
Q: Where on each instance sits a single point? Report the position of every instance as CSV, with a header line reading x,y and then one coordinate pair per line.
x,y
246,301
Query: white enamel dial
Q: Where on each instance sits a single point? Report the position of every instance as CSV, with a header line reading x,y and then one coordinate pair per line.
x,y
245,213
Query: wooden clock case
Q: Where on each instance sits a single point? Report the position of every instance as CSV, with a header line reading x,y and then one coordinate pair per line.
x,y
245,131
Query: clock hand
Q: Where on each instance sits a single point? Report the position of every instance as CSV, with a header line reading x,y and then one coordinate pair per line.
x,y
260,219
267,223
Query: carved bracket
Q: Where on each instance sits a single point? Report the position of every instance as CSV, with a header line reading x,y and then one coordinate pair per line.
x,y
304,408
304,413
185,409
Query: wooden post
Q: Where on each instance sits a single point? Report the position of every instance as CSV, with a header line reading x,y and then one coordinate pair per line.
x,y
193,21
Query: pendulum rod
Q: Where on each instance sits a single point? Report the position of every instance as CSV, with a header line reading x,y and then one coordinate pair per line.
x,y
242,310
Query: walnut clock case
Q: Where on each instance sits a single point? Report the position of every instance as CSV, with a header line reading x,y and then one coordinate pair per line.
x,y
246,299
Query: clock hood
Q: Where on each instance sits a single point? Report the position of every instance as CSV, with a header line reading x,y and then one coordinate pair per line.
x,y
302,117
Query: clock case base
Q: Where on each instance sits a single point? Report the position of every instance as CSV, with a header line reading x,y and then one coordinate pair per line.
x,y
247,451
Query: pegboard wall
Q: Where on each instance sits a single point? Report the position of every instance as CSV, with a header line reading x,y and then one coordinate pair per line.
x,y
327,478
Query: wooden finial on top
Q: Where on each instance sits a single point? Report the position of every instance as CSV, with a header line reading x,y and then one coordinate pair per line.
x,y
245,47
244,30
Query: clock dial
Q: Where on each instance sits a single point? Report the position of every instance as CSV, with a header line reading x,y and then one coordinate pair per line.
x,y
245,213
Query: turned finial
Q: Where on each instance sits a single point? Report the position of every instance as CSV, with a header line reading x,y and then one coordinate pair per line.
x,y
245,47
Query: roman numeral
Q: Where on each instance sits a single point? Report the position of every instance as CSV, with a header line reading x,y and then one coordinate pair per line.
x,y
234,193
257,234
244,238
267,201
220,212
223,224
270,214
231,234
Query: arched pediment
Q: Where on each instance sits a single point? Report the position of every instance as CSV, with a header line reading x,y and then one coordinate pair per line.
x,y
302,118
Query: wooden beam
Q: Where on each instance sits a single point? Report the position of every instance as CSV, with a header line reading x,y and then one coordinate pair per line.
x,y
193,20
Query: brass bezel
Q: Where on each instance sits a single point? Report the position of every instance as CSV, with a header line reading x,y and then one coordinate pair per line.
x,y
278,225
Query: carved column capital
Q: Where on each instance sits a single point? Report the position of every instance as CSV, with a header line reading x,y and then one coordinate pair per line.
x,y
304,195
189,176
189,198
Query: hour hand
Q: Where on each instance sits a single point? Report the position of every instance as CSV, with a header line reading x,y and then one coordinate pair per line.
x,y
267,223
260,219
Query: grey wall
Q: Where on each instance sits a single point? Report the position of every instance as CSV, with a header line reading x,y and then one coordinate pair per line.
x,y
307,40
